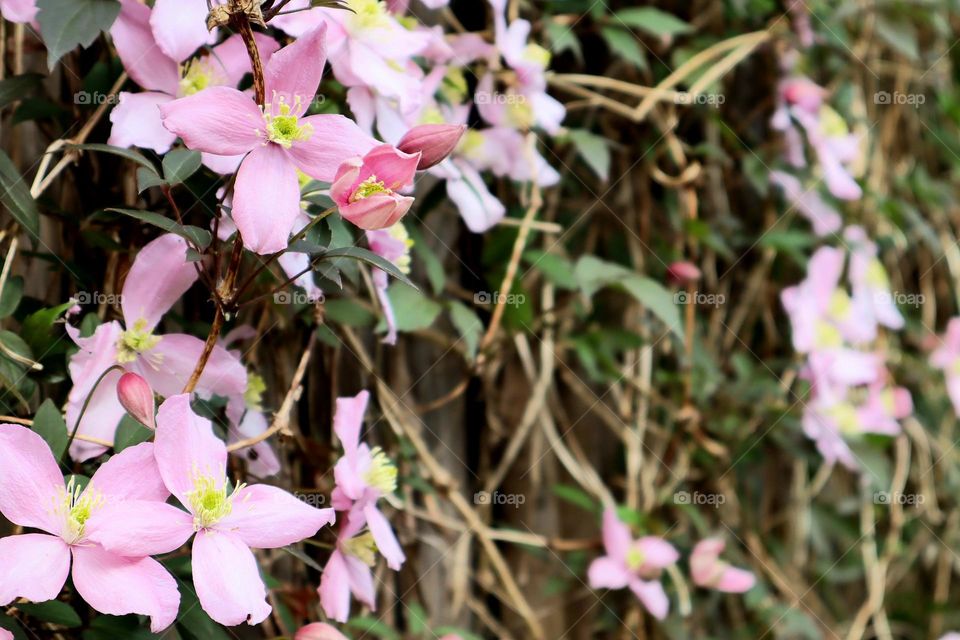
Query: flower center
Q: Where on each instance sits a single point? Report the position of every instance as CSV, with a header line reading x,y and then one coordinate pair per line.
x,y
368,14
827,335
196,76
876,275
362,547
536,54
845,416
367,188
382,473
520,113
839,306
78,505
635,558
399,232
135,341
253,396
284,127
209,503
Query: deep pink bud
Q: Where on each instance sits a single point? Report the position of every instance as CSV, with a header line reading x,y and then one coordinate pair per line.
x,y
683,273
434,141
136,396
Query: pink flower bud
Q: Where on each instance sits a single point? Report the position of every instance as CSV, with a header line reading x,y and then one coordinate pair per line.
x,y
319,631
683,273
434,141
136,396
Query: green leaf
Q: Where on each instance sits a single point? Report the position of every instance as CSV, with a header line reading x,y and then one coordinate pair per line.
x,y
15,197
575,496
52,611
557,269
196,235
192,621
468,325
413,310
653,21
68,23
147,178
11,296
436,274
348,312
37,328
364,255
11,625
48,423
594,149
130,433
180,164
129,154
623,43
15,88
563,38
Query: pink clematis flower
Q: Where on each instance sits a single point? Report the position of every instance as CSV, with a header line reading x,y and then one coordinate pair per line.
x,y
869,280
708,570
136,119
278,137
633,563
824,218
192,462
349,570
35,565
160,275
365,189
392,244
947,358
21,12
319,631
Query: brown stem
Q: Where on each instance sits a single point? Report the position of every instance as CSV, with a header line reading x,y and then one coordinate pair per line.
x,y
242,23
208,346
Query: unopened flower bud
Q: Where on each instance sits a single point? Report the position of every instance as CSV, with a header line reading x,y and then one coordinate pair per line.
x,y
683,273
434,141
136,396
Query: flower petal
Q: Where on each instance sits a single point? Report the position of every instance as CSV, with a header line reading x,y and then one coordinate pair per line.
x,y
607,573
119,586
348,420
30,480
131,475
139,528
160,275
143,59
384,536
653,597
293,73
169,365
319,631
218,120
232,58
735,580
185,445
266,517
616,535
227,579
657,552
335,139
479,209
136,122
35,567
334,588
265,216
180,27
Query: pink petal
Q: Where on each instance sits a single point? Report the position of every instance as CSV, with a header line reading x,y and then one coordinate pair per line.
x,y
735,580
617,539
266,517
222,165
384,536
119,586
35,567
319,631
180,27
19,11
607,573
31,484
387,306
146,63
186,446
657,552
265,217
379,211
139,528
348,420
131,475
293,73
360,578
136,122
218,120
391,166
231,55
653,597
334,588
100,420
479,209
227,579
169,365
335,139
160,275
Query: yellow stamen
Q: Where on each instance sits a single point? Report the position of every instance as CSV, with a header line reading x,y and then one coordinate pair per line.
x,y
253,396
135,341
368,14
845,415
284,127
399,232
635,558
197,75
362,547
209,503
367,188
382,473
78,505
536,54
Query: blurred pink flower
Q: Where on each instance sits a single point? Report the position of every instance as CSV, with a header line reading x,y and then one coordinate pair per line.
x,y
228,523
682,272
35,565
392,244
366,189
319,631
824,218
279,139
19,11
349,570
947,358
708,570
636,564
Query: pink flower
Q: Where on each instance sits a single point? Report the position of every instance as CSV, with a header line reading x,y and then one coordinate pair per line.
x,y
682,272
278,137
808,203
633,563
392,244
160,275
136,396
192,462
868,278
365,189
708,570
947,358
19,11
139,35
433,141
35,565
349,570
319,631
